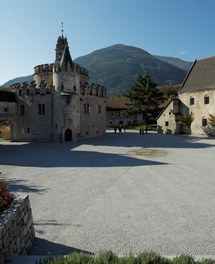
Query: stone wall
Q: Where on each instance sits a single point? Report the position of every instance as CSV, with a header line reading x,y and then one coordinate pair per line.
x,y
16,229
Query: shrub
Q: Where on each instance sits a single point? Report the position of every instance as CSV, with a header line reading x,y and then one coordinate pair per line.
x,y
108,257
6,198
184,259
152,258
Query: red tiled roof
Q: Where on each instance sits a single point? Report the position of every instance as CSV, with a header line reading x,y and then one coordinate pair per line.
x,y
117,103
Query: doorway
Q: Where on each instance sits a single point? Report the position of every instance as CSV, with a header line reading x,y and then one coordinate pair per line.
x,y
68,135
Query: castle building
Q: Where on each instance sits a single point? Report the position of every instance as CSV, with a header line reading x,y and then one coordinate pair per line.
x,y
59,105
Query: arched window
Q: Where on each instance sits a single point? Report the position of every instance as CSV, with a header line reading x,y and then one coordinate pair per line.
x,y
204,121
206,99
192,101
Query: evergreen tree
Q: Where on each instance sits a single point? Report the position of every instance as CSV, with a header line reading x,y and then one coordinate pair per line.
x,y
145,98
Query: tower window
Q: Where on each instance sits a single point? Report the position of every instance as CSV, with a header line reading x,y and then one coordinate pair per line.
x,y
22,110
86,108
41,108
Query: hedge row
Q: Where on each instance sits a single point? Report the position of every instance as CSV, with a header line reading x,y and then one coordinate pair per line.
x,y
110,258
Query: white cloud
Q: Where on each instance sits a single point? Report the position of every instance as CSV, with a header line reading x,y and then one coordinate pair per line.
x,y
183,52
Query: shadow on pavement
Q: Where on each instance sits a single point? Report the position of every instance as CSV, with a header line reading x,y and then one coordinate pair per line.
x,y
20,186
72,154
44,247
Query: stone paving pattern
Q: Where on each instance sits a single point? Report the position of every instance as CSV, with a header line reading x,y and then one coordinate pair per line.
x,y
121,192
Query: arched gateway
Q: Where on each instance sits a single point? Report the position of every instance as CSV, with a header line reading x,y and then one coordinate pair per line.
x,y
68,135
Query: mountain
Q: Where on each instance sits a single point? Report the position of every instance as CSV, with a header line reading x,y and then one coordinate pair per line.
x,y
22,79
116,67
184,65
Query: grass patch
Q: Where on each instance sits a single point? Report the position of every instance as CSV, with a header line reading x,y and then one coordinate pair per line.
x,y
109,257
152,127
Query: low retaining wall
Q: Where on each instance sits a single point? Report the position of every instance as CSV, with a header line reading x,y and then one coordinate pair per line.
x,y
16,229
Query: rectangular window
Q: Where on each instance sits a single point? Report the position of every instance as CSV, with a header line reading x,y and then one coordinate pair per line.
x,y
28,130
192,101
204,122
99,109
41,109
166,123
86,108
206,99
22,110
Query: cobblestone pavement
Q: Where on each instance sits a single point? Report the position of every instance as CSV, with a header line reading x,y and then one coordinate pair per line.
x,y
121,192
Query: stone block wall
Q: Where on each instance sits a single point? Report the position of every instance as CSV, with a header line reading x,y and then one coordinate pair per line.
x,y
16,229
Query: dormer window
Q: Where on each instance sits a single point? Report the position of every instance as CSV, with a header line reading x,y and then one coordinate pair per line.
x,y
206,99
192,101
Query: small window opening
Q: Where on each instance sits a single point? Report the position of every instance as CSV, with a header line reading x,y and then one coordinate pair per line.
x,y
192,101
206,99
204,122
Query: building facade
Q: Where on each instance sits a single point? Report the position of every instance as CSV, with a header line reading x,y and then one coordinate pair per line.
x,y
60,104
197,96
116,113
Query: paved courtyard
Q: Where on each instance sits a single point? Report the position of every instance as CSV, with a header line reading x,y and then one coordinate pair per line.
x,y
121,192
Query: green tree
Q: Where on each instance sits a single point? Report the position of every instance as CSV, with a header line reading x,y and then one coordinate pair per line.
x,y
187,120
210,128
211,119
144,98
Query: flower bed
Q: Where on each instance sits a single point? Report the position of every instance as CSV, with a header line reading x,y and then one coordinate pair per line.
x,y
6,198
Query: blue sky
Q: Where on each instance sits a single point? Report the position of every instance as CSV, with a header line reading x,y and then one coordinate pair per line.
x,y
30,28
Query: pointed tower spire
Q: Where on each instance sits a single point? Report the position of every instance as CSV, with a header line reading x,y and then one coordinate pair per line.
x,y
62,28
60,46
66,59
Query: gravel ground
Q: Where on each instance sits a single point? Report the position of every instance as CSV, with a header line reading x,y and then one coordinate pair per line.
x,y
121,192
